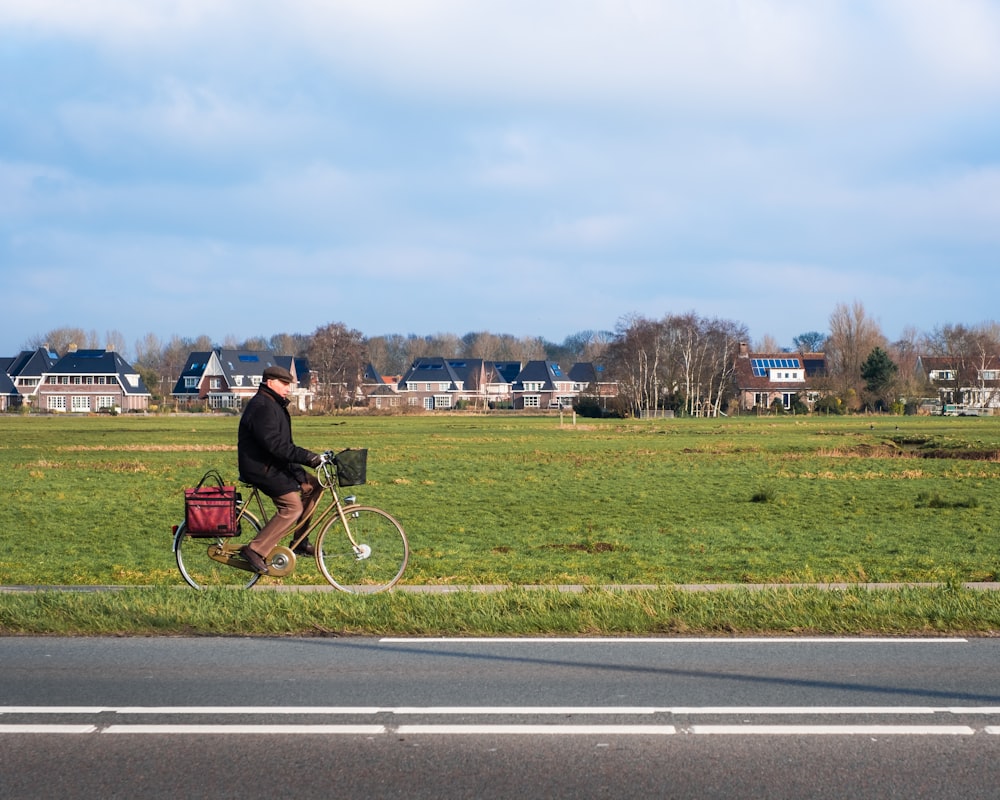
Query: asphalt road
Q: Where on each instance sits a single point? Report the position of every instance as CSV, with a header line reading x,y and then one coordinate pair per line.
x,y
364,717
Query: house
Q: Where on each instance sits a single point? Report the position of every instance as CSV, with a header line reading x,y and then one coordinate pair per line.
x,y
962,385
589,378
436,383
543,384
763,378
26,369
85,381
226,378
10,397
378,390
439,383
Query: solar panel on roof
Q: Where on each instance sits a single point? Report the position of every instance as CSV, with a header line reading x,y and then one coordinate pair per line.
x,y
248,357
760,366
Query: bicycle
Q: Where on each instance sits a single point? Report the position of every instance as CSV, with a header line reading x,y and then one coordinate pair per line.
x,y
359,549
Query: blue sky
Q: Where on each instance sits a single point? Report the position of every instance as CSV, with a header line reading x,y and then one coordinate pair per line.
x,y
532,167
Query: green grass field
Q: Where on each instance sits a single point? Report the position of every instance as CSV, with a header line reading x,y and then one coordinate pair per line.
x,y
539,501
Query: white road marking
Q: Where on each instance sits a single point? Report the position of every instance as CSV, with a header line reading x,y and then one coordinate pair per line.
x,y
48,728
314,730
495,710
668,640
838,730
531,730
745,727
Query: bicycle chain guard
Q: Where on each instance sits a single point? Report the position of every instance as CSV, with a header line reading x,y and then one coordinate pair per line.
x,y
280,562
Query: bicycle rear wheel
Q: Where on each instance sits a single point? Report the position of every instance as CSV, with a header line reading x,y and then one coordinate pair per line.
x,y
374,561
203,572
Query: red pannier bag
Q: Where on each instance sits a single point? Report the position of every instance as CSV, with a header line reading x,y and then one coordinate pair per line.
x,y
210,507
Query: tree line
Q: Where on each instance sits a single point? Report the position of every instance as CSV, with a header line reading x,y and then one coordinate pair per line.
x,y
679,362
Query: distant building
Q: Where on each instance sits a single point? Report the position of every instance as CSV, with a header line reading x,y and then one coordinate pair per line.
x,y
85,381
226,378
763,378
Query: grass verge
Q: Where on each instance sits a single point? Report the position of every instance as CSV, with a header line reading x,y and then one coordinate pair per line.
x,y
511,612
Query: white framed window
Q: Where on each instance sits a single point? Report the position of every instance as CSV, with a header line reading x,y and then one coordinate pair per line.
x,y
428,404
442,401
531,401
191,382
56,402
81,402
105,401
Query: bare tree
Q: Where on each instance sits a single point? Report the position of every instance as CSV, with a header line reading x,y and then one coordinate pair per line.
x,y
809,342
57,340
481,344
338,356
853,335
288,344
634,362
767,344
389,354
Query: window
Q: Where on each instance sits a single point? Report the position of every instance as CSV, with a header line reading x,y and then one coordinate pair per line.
x,y
191,382
428,404
216,383
105,401
75,380
531,401
81,403
56,402
442,401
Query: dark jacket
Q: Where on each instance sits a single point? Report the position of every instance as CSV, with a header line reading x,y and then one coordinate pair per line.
x,y
268,458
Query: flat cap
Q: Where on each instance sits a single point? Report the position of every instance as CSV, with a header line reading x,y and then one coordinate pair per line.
x,y
278,373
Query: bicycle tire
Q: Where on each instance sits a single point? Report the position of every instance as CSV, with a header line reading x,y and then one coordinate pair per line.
x,y
201,571
373,562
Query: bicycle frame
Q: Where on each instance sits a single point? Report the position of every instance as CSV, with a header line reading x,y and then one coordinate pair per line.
x,y
283,558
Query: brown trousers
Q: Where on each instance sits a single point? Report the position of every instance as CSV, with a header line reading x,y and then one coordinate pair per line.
x,y
292,510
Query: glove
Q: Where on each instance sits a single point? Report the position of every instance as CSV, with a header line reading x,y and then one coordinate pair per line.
x,y
315,459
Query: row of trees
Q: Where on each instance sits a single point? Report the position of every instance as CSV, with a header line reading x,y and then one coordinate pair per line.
x,y
678,362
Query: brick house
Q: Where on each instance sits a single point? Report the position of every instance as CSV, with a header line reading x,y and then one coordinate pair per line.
x,y
763,378
26,369
226,378
85,381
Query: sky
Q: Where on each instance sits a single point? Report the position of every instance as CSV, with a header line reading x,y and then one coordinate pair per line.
x,y
242,168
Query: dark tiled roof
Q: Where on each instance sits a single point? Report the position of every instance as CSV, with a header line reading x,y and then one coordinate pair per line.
x,y
100,362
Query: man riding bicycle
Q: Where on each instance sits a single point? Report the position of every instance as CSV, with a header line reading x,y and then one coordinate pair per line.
x,y
270,460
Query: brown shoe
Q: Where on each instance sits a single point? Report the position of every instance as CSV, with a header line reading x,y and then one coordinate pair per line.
x,y
254,559
304,548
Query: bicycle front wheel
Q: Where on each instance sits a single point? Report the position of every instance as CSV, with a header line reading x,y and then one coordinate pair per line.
x,y
203,572
368,557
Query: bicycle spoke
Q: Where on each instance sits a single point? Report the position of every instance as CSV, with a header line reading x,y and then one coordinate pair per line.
x,y
203,572
377,561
